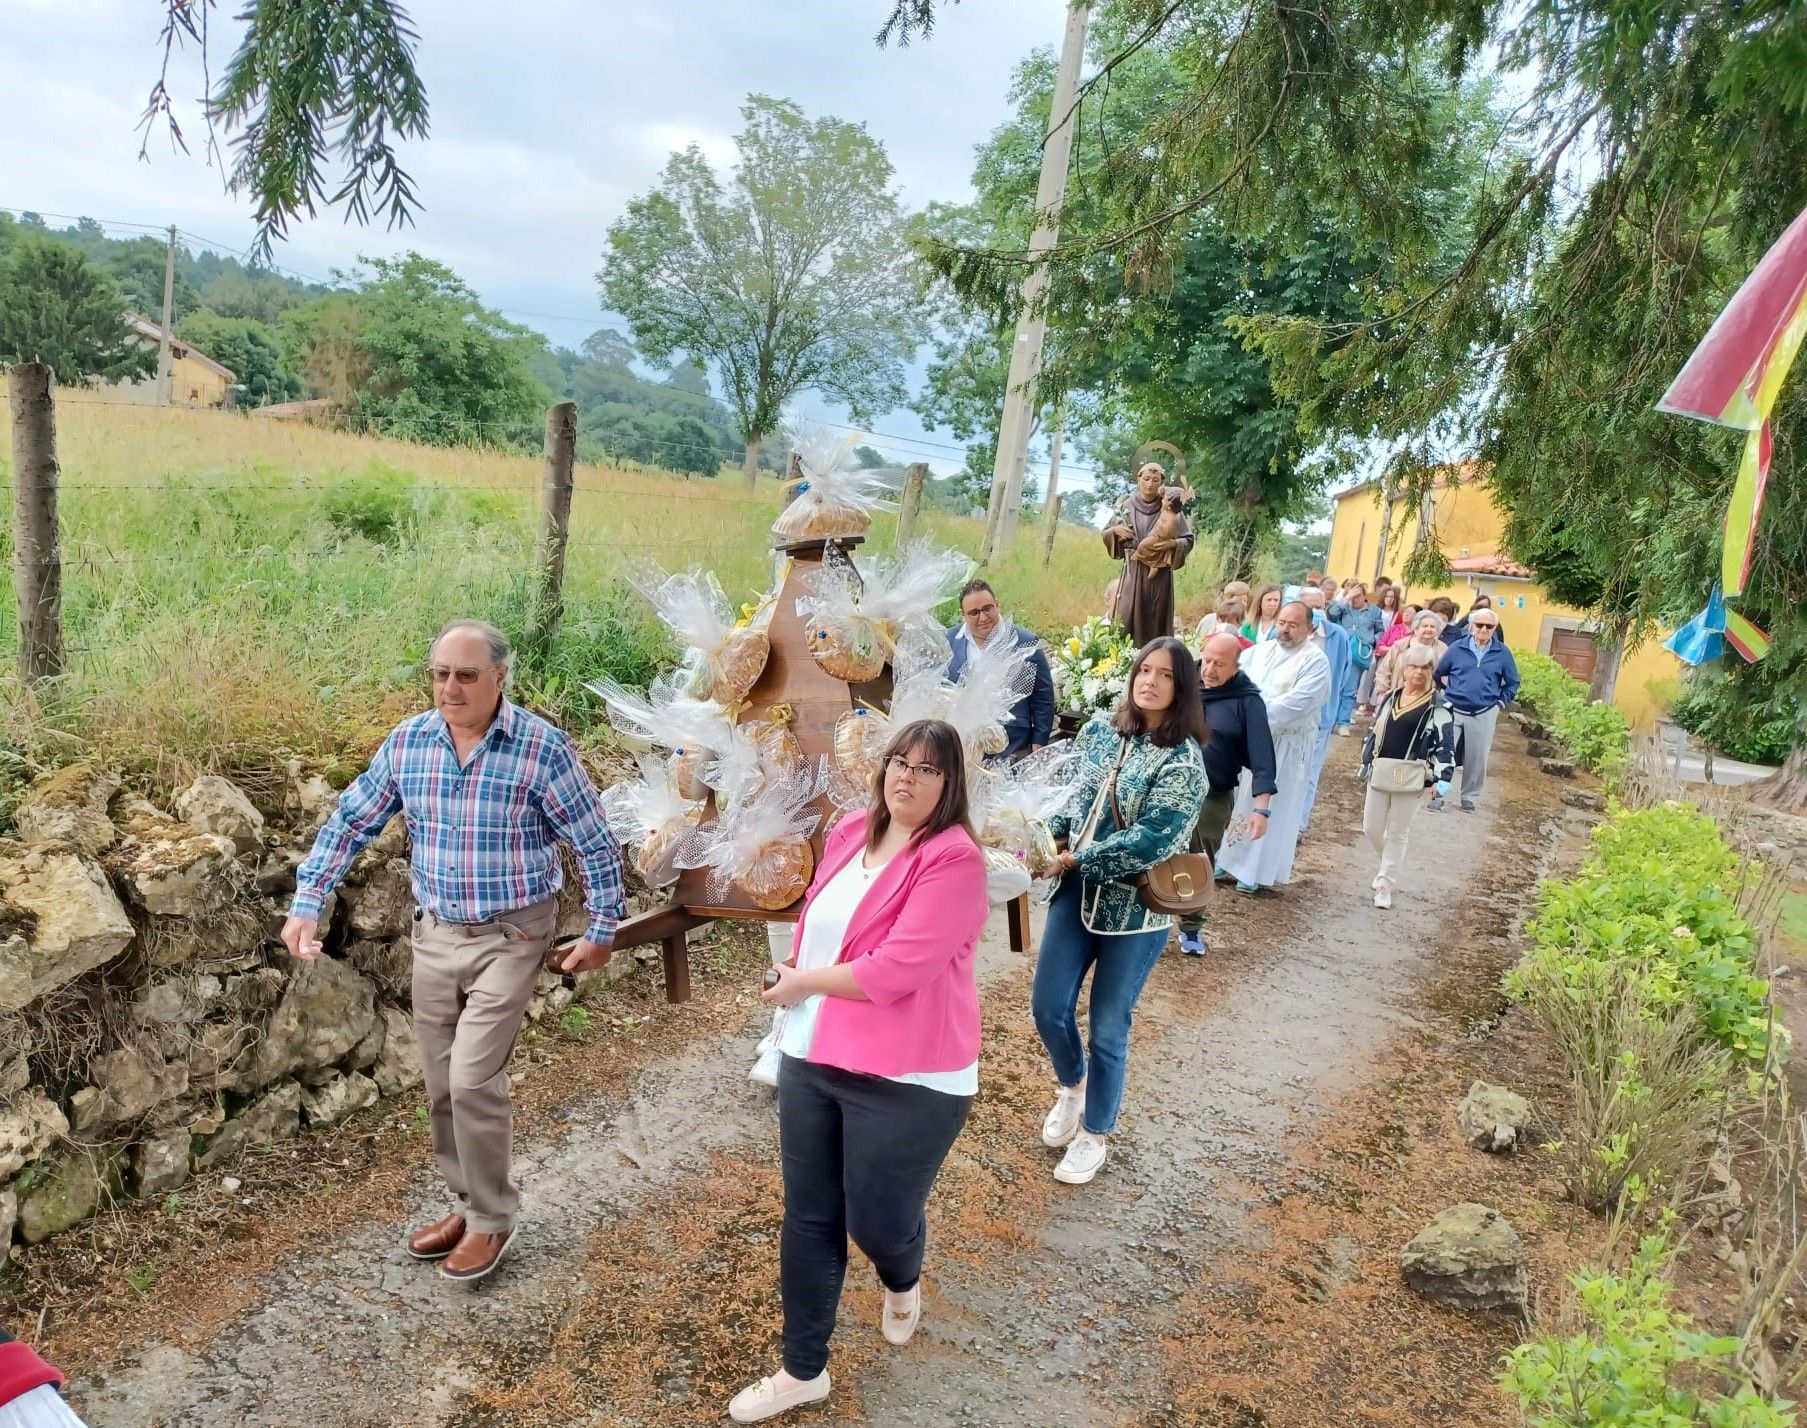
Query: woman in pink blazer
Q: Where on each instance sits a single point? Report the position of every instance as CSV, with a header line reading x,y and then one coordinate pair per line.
x,y
881,1051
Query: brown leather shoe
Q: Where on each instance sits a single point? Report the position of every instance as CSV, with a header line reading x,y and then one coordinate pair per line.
x,y
438,1239
476,1255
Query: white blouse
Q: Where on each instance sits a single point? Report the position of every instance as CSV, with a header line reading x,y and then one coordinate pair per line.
x,y
824,929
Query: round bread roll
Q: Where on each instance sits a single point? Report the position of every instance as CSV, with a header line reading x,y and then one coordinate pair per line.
x,y
736,669
849,651
780,875
687,772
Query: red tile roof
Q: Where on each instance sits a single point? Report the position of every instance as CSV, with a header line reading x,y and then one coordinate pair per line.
x,y
1490,565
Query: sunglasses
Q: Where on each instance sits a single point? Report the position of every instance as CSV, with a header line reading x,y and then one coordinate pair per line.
x,y
462,675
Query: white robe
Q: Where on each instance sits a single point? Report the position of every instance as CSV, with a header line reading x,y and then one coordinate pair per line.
x,y
1294,685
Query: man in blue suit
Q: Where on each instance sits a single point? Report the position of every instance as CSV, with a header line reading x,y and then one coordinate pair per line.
x,y
1031,723
1340,707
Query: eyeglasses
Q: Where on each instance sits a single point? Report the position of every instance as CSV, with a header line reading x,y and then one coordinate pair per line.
x,y
900,766
462,675
981,612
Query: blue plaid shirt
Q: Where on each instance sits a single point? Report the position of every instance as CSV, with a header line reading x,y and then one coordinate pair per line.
x,y
485,836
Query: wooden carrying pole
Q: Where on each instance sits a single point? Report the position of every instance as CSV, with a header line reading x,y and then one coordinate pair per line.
x,y
37,558
910,502
548,595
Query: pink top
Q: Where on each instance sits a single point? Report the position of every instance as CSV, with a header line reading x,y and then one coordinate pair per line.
x,y
1395,631
911,945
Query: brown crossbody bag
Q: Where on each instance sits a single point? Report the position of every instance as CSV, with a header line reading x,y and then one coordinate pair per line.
x,y
1177,885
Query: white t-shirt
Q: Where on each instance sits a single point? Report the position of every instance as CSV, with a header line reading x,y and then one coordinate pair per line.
x,y
823,932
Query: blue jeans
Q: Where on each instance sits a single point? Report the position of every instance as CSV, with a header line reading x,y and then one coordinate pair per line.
x,y
1119,966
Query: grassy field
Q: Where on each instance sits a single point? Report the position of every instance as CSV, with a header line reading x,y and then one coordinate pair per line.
x,y
234,587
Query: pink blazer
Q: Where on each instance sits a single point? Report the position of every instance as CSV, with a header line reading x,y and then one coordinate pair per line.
x,y
911,946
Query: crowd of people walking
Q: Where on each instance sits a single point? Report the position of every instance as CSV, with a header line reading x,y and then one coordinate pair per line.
x,y
1212,763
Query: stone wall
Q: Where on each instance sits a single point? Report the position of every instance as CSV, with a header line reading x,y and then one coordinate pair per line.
x,y
153,1027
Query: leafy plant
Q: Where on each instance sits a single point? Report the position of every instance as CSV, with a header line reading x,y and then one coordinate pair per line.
x,y
1596,735
576,1022
1636,1361
142,1278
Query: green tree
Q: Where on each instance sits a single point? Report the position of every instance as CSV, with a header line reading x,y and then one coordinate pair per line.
x,y
791,275
251,349
411,352
310,81
57,307
868,459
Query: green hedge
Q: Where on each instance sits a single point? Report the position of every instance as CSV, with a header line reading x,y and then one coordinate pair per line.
x,y
1597,736
1656,901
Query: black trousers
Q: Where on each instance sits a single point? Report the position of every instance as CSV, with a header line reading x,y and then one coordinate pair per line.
x,y
860,1155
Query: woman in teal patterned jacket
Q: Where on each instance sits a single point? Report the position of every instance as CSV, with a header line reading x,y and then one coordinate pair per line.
x,y
1152,745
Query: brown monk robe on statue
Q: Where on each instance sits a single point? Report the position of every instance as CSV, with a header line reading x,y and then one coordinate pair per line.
x,y
1145,595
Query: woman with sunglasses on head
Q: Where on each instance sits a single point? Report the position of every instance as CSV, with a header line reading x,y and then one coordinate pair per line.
x,y
881,1051
1146,762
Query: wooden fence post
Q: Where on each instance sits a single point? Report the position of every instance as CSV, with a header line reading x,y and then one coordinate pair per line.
x,y
37,558
547,595
1051,517
910,502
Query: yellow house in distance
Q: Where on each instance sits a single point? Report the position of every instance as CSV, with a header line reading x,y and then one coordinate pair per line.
x,y
195,379
1366,542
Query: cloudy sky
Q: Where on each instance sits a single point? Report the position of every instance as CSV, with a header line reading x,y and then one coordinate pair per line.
x,y
547,116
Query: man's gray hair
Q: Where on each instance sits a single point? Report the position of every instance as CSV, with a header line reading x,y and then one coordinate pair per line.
x,y
501,654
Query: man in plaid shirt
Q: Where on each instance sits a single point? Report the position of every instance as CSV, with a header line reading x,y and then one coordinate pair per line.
x,y
489,790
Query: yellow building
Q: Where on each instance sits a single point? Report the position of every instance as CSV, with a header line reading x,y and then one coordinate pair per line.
x,y
195,379
1367,542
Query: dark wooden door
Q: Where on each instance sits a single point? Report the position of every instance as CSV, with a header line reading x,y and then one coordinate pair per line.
x,y
1576,652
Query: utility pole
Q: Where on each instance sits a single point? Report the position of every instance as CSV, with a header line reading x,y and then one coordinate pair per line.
x,y
169,302
1032,325
1054,444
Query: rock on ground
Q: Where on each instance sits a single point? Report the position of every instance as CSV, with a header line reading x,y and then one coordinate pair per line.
x,y
63,1191
274,1116
1492,1117
132,1082
382,907
338,1098
327,1009
70,806
160,1164
59,918
215,805
397,1067
29,1125
1469,1256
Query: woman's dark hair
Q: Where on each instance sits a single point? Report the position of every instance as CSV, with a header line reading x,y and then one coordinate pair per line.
x,y
1392,590
938,743
1184,718
1261,599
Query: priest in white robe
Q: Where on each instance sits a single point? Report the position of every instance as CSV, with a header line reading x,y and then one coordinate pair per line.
x,y
1295,680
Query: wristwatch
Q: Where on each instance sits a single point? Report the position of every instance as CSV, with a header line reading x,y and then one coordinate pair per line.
x,y
1262,811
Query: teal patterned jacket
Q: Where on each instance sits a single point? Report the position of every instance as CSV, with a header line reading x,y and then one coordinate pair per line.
x,y
1161,791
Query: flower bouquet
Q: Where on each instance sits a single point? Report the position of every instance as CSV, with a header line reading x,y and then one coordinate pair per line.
x,y
1091,667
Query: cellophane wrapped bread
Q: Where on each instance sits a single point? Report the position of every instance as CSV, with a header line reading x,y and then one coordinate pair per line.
x,y
760,845
994,680
1012,806
666,717
858,622
652,818
723,657
776,737
1006,879
831,502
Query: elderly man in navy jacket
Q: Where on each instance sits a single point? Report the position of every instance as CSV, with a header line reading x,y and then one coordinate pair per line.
x,y
1480,677
1031,723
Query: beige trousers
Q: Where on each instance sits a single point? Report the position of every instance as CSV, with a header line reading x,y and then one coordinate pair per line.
x,y
1387,820
472,984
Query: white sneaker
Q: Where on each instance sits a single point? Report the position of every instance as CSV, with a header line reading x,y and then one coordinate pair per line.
x,y
900,1322
1084,1159
1063,1121
765,1067
766,1400
1383,893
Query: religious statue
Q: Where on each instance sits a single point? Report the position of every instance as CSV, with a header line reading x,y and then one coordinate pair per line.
x,y
1152,539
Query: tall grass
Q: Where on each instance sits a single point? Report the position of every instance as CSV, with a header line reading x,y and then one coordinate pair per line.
x,y
235,586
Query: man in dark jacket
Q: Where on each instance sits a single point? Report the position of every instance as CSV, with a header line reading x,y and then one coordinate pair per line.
x,y
1240,739
1480,677
1031,723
